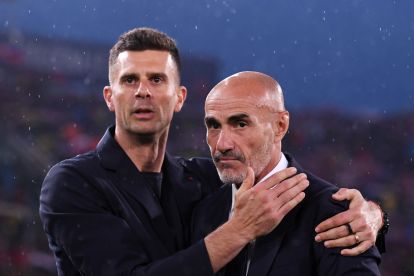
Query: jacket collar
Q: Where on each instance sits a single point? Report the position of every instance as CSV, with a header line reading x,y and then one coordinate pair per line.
x,y
267,247
133,184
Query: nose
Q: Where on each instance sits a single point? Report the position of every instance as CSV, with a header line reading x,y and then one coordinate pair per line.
x,y
225,141
143,91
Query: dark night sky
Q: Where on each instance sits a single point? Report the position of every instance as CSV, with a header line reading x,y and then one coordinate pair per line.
x,y
354,55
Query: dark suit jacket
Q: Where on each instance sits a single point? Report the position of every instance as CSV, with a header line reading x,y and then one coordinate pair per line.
x,y
290,249
101,217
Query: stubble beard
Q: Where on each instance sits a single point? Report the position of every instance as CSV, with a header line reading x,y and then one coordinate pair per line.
x,y
258,162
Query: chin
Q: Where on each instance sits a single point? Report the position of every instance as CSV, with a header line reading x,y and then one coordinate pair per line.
x,y
228,177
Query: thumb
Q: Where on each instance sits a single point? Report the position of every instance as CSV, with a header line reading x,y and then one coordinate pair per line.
x,y
248,181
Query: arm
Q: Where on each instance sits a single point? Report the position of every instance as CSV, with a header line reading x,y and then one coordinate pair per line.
x,y
88,235
364,218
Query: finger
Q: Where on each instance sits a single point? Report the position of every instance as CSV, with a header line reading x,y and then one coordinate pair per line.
x,y
276,178
335,221
359,249
247,182
332,234
288,206
348,194
289,184
292,192
345,241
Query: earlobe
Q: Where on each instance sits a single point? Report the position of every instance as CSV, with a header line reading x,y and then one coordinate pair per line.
x,y
181,96
107,94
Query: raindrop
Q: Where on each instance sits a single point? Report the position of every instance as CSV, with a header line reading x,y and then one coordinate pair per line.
x,y
6,23
196,27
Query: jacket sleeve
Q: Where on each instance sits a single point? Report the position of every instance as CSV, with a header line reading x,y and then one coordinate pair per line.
x,y
87,236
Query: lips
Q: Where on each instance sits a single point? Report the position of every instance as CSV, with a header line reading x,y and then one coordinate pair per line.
x,y
143,113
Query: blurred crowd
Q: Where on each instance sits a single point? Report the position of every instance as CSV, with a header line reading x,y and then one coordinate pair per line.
x,y
48,117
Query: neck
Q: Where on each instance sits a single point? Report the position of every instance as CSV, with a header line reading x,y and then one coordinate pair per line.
x,y
275,159
145,151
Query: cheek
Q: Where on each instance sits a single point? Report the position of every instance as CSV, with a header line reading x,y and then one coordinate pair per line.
x,y
211,141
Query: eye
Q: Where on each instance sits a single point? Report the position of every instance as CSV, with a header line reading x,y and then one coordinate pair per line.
x,y
212,124
130,79
157,79
241,124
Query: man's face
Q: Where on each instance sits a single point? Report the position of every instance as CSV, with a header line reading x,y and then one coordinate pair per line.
x,y
239,133
144,92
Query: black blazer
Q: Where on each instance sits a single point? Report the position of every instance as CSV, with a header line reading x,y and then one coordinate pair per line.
x,y
290,249
101,217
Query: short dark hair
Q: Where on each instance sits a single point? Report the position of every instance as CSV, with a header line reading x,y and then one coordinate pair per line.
x,y
141,39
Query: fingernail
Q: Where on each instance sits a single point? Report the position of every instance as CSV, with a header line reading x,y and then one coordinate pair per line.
x,y
317,229
317,238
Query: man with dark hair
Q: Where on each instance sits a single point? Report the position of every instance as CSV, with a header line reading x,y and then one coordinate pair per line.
x,y
144,39
125,208
246,121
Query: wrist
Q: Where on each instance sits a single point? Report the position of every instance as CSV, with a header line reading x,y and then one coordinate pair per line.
x,y
385,222
239,232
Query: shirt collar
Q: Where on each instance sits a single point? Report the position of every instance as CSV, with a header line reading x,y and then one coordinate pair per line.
x,y
282,164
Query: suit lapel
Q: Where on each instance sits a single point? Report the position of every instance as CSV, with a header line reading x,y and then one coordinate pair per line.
x,y
267,247
134,186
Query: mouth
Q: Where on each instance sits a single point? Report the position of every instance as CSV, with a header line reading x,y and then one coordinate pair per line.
x,y
143,113
227,162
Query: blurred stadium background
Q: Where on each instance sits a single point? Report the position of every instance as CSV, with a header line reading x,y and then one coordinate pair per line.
x,y
51,108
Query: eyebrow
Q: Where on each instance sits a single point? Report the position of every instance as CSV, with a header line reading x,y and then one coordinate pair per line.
x,y
210,120
232,119
148,74
237,117
128,75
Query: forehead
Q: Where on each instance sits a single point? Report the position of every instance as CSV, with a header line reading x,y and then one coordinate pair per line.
x,y
223,105
148,60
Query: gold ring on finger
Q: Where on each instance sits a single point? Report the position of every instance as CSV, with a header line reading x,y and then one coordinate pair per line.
x,y
356,238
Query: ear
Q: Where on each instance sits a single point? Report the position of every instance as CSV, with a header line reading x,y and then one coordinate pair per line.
x,y
181,95
281,125
107,94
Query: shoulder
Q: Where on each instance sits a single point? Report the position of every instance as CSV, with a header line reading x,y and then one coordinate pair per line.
x,y
203,169
70,181
318,198
78,163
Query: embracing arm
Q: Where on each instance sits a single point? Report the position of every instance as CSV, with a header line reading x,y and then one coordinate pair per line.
x,y
358,225
88,236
